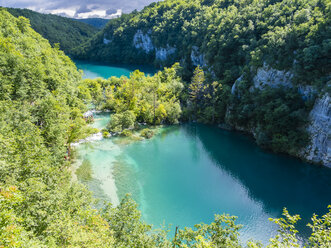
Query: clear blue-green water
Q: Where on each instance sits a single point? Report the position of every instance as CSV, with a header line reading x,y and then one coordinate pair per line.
x,y
187,173
95,70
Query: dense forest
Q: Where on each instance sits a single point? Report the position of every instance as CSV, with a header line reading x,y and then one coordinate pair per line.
x,y
95,22
233,42
231,34
56,29
42,101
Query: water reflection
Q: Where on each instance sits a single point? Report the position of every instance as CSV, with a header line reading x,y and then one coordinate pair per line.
x,y
275,180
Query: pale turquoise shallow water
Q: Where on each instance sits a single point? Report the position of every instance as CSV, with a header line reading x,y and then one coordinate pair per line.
x,y
186,174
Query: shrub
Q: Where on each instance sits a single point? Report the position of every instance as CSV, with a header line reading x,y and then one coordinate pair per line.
x,y
126,133
147,133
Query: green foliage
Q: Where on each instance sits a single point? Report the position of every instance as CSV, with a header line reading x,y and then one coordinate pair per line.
x,y
126,133
277,115
147,133
119,122
235,38
207,102
223,232
145,99
67,32
105,134
231,34
95,22
321,234
128,228
40,116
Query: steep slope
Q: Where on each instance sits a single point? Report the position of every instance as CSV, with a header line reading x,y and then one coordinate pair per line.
x,y
56,29
267,45
225,35
95,22
39,111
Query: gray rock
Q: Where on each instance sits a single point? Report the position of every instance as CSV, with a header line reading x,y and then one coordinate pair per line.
x,y
163,53
197,58
307,92
235,85
105,40
319,149
143,41
267,76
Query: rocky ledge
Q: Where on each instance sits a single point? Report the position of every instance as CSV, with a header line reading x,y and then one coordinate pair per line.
x,y
319,149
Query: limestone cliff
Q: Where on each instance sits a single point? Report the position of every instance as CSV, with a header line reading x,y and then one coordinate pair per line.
x,y
143,41
319,149
268,76
197,58
163,54
319,127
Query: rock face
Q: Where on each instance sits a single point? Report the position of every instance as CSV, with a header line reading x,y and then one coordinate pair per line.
x,y
235,85
197,58
143,41
106,41
267,76
163,53
307,92
319,149
319,129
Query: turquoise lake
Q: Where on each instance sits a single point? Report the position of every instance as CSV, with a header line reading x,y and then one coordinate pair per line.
x,y
95,70
187,173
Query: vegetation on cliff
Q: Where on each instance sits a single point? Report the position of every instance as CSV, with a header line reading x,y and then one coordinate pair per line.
x,y
231,40
67,32
231,34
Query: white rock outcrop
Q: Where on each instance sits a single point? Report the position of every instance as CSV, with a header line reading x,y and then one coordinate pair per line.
x,y
307,91
267,76
163,53
319,129
106,41
197,58
143,41
235,85
319,149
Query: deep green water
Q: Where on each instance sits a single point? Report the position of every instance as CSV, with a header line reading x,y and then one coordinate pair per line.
x,y
186,174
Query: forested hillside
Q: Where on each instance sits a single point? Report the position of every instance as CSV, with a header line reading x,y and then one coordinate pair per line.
x,y
229,34
56,29
262,64
95,22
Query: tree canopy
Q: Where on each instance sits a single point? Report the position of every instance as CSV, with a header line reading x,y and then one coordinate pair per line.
x,y
69,33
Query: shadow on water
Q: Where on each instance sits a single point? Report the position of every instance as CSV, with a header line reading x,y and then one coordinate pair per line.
x,y
277,181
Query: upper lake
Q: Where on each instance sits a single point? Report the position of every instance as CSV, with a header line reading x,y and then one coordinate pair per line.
x,y
187,173
95,70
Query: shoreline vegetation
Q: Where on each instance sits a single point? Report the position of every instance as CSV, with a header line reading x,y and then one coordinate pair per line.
x,y
42,101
